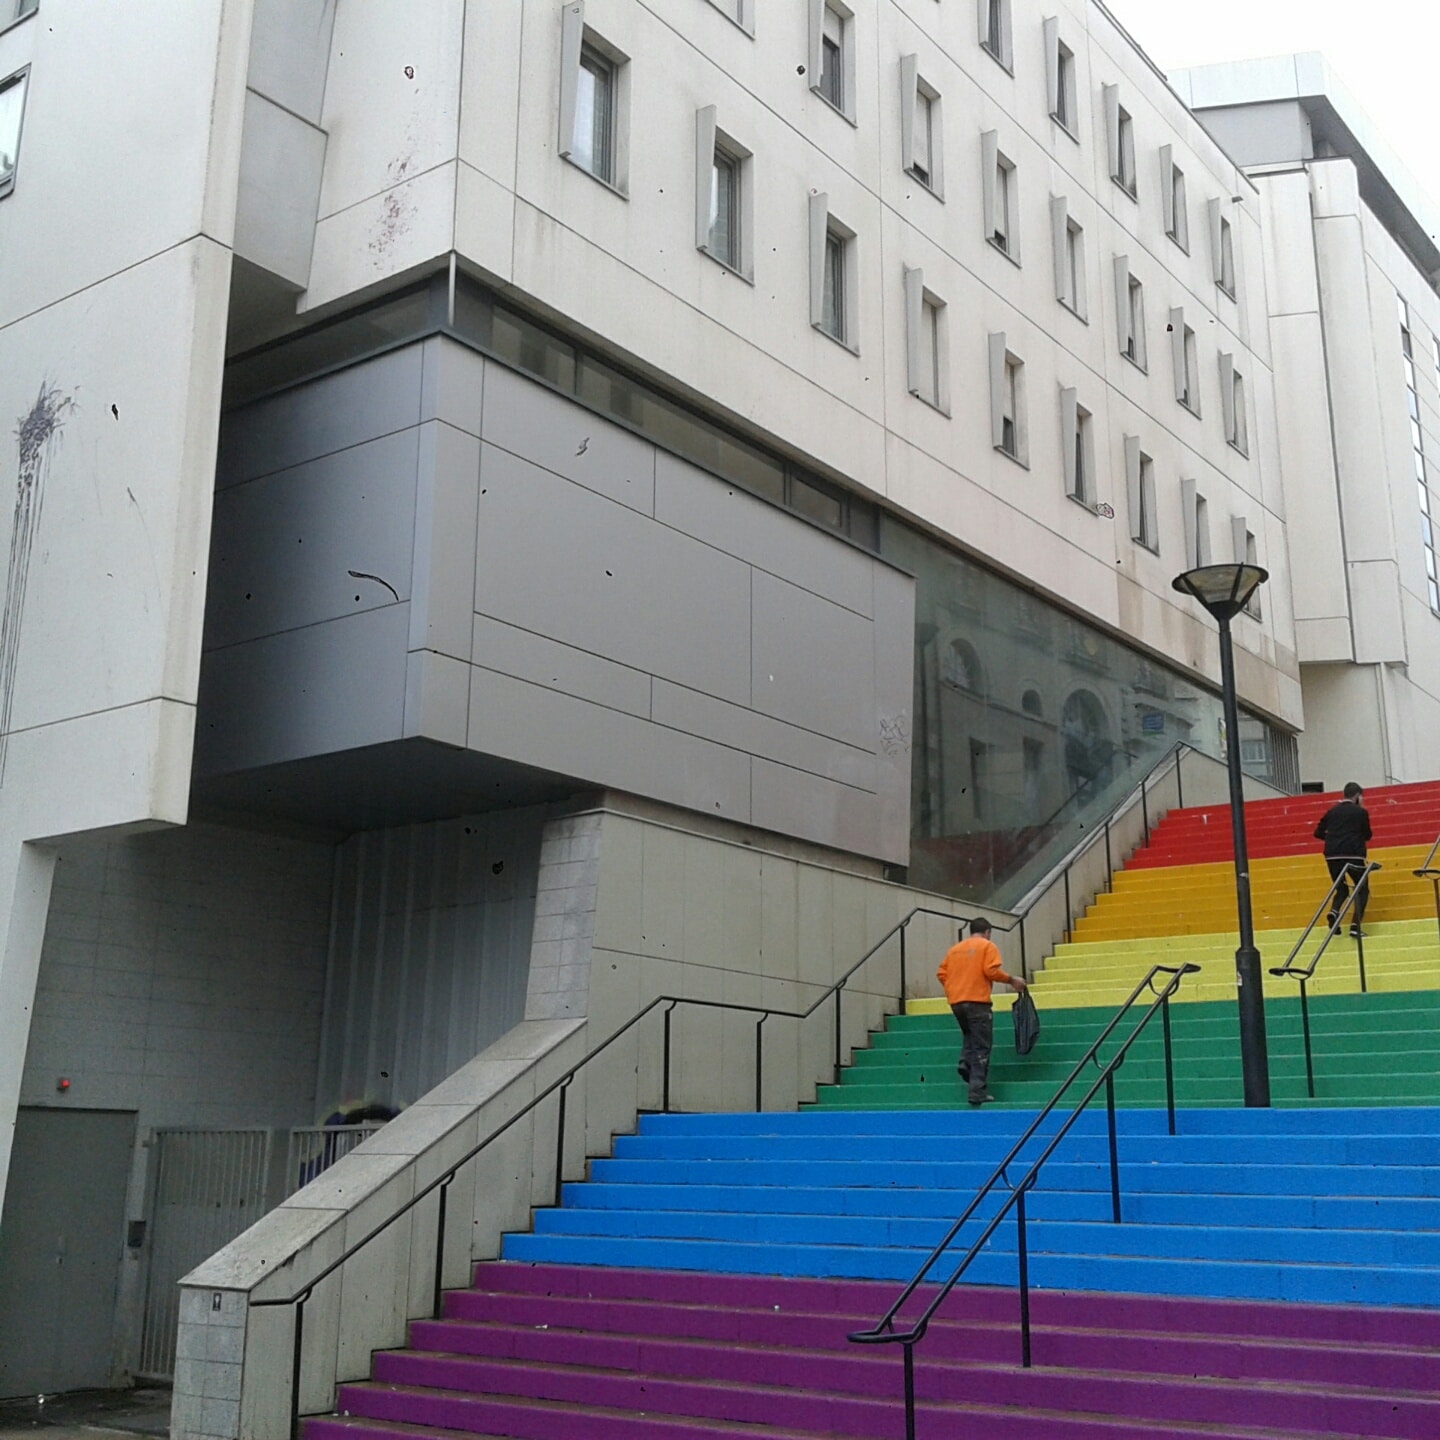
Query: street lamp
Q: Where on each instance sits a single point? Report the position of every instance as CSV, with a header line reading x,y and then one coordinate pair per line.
x,y
1224,591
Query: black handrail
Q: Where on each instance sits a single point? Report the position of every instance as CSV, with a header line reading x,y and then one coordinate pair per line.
x,y
883,1332
1304,973
1429,871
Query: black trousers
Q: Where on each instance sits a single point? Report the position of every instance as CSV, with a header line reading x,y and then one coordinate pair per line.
x,y
977,1025
1343,870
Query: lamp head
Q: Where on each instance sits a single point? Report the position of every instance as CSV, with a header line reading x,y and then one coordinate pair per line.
x,y
1223,590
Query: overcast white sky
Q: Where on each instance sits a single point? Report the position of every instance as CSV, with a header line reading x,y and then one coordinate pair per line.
x,y
1384,51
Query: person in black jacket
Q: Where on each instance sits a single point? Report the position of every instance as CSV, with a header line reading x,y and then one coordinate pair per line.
x,y
1345,829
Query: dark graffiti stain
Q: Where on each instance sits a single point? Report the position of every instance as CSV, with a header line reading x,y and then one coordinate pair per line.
x,y
36,434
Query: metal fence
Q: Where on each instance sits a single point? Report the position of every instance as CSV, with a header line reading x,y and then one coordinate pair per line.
x,y
208,1186
315,1148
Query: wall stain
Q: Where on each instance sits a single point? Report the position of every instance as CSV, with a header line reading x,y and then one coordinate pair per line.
x,y
36,435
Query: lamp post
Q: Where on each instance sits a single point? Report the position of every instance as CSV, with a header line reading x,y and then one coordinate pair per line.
x,y
1224,591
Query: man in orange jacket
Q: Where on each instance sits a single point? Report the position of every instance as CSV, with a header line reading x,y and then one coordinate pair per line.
x,y
967,973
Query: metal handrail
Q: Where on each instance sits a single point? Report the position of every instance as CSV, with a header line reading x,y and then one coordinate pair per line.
x,y
1429,871
883,1332
1304,973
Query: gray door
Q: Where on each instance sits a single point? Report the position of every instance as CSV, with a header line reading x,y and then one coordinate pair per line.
x,y
62,1235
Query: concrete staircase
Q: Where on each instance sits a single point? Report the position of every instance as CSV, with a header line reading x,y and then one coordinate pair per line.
x,y
1276,1274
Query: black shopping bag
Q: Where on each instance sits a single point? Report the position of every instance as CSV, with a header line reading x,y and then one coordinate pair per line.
x,y
1027,1023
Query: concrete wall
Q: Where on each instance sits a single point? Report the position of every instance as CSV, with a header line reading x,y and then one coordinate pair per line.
x,y
552,591
182,978
116,240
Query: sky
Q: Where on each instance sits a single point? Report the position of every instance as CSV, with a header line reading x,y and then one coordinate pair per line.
x,y
1384,52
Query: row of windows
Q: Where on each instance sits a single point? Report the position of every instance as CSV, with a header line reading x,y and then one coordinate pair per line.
x,y
1417,443
12,99
594,108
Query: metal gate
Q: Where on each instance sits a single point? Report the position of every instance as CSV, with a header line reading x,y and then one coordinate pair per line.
x,y
208,1186
315,1148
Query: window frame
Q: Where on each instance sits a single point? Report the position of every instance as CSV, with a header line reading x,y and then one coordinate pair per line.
x,y
740,13
998,40
1185,350
1061,82
1195,511
1067,236
1140,487
16,79
819,73
1174,199
926,318
1077,438
1130,318
579,41
1008,391
915,89
1222,242
1246,552
1234,404
712,144
1001,208
826,230
1120,143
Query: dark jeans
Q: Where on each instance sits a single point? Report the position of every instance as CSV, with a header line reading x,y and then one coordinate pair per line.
x,y
977,1025
1341,870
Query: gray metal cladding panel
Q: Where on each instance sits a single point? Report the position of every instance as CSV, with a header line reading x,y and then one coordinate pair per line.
x,y
360,403
335,686
547,662
813,663
791,802
754,531
453,384
537,726
557,434
555,558
284,545
756,734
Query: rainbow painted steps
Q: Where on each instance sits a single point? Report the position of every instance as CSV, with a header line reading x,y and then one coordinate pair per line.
x,y
1375,1049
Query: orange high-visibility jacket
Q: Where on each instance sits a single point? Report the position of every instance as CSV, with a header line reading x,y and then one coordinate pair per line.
x,y
969,969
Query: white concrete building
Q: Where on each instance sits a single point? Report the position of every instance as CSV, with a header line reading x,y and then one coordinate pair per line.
x,y
1352,264
515,507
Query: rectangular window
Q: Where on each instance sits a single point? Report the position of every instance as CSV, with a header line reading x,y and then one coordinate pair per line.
x,y
920,129
1140,485
1195,513
1008,429
1130,313
995,30
927,343
1183,352
1232,399
833,281
19,9
742,12
1078,456
1227,259
1060,79
12,112
832,54
723,200
593,100
1202,531
1247,554
1001,197
1120,141
1069,240
1172,195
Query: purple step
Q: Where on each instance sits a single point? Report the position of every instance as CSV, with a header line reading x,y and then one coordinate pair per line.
x,y
564,1352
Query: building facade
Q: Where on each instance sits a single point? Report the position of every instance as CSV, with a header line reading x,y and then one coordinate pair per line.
x,y
547,501
1352,263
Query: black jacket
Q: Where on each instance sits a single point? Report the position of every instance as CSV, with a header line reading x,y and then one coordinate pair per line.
x,y
1345,828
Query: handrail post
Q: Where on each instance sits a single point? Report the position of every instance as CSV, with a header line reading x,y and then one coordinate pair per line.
x,y
839,991
1067,905
1024,1256
1109,860
1360,955
560,1143
1179,780
1305,1027
760,1060
295,1370
665,1066
1114,1148
437,1292
904,926
1024,967
910,1390
1145,807
1169,1062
